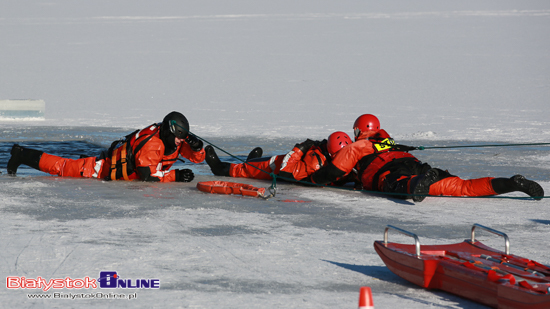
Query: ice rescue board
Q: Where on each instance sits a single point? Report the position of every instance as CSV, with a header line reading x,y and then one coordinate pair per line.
x,y
470,269
226,187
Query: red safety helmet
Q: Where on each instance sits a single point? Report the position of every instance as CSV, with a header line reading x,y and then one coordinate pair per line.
x,y
337,141
366,122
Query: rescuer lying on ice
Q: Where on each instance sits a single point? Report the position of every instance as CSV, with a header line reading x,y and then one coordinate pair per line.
x,y
386,167
145,154
304,159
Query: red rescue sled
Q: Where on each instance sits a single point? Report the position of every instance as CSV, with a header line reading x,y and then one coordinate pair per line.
x,y
226,187
471,270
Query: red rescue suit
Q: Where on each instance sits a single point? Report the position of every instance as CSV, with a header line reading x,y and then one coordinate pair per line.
x,y
347,159
294,165
454,186
371,155
150,155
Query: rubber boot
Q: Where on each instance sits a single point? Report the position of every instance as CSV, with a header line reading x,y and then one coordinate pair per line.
x,y
518,183
420,185
397,184
21,155
255,153
218,167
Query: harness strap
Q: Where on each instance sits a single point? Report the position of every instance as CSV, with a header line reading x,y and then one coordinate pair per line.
x,y
113,164
125,150
124,162
318,158
143,142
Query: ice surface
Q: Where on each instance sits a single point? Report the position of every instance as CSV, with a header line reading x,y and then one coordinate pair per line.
x,y
229,251
270,74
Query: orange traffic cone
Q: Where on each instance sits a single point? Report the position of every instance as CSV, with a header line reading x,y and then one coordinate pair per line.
x,y
365,298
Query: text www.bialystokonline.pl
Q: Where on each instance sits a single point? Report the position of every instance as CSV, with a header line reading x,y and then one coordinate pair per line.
x,y
97,295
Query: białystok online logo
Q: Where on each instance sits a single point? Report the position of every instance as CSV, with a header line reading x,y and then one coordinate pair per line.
x,y
107,280
111,280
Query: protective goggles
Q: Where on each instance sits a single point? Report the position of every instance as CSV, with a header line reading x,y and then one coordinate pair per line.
x,y
356,132
179,131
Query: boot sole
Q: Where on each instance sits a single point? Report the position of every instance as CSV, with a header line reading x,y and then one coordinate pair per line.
x,y
255,153
423,187
529,187
12,166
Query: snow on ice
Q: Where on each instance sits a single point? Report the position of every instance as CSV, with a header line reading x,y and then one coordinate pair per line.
x,y
269,74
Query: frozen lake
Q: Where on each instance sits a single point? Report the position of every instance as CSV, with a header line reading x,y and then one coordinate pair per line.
x,y
234,252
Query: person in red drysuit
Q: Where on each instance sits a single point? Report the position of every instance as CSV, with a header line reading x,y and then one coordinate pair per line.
x,y
385,166
304,159
145,155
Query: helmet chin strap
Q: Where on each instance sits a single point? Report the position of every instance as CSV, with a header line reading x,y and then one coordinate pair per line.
x,y
169,141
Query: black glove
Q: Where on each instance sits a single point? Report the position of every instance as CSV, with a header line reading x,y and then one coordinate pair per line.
x,y
185,175
304,146
320,143
194,142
